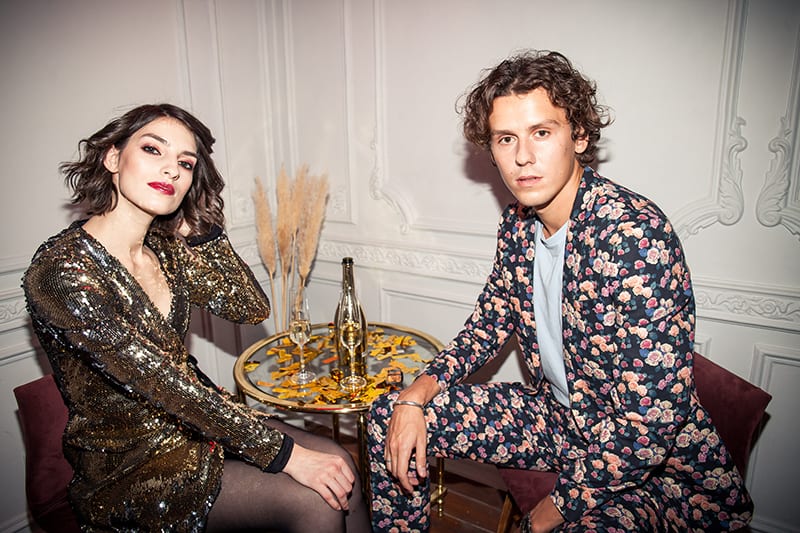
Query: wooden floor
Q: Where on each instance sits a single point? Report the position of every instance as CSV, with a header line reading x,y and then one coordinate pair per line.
x,y
470,506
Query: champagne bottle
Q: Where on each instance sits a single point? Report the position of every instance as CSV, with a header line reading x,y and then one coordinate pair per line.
x,y
349,291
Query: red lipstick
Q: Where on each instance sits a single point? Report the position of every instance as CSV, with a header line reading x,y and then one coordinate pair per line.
x,y
162,187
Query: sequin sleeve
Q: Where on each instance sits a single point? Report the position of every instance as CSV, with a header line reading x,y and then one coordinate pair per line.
x,y
86,318
220,281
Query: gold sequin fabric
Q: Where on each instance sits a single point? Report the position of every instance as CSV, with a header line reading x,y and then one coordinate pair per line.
x,y
145,438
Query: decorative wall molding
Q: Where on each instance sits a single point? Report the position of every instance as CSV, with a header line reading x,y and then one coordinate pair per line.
x,y
379,186
779,199
726,202
771,361
702,345
771,307
18,522
182,49
342,199
766,357
408,260
16,352
287,92
13,313
764,306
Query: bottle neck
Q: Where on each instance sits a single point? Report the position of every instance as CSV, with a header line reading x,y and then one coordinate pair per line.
x,y
347,278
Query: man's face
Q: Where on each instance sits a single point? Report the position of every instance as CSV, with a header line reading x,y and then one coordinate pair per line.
x,y
534,151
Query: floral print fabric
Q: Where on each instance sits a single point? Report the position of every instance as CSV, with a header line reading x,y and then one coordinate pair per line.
x,y
634,448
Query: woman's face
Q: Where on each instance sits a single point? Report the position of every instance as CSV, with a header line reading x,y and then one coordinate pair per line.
x,y
153,172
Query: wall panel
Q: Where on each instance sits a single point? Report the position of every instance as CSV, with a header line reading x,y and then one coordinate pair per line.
x,y
706,106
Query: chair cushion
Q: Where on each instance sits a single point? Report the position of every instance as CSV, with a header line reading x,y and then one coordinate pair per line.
x,y
528,487
43,417
735,405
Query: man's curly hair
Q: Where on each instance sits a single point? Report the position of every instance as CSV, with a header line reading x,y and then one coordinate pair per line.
x,y
520,74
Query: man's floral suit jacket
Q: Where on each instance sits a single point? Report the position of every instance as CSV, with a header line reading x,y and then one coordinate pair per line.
x,y
628,329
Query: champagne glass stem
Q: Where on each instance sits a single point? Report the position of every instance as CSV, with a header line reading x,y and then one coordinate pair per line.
x,y
302,359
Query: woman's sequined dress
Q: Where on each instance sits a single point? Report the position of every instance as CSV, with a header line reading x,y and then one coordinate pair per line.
x,y
145,438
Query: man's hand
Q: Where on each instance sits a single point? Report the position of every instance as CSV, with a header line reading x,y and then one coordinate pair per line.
x,y
544,517
407,434
327,474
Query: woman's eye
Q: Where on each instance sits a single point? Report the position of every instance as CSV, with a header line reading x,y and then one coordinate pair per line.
x,y
187,165
151,149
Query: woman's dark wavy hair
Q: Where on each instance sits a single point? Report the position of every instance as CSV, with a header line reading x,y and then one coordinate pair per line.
x,y
520,74
93,187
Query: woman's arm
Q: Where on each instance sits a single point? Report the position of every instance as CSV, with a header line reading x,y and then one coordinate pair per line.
x,y
74,306
220,281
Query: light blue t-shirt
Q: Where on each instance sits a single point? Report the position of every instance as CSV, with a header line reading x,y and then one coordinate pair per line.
x,y
548,273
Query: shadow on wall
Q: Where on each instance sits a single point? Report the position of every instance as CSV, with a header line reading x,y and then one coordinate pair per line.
x,y
478,167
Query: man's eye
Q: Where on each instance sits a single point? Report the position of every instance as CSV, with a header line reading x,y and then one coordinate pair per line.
x,y
541,133
505,140
187,165
151,149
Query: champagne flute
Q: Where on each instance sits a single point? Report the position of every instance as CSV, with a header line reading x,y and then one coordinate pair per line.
x,y
299,332
350,335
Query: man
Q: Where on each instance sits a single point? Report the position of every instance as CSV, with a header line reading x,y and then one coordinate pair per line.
x,y
592,280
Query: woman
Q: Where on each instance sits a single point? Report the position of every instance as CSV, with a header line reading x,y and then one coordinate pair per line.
x,y
153,444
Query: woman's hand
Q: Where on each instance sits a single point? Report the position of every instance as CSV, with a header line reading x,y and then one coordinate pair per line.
x,y
184,229
327,474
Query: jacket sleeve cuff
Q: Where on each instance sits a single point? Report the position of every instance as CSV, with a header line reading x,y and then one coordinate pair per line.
x,y
197,240
280,460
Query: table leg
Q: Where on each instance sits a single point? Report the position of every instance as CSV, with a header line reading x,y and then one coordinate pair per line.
x,y
336,427
438,493
363,457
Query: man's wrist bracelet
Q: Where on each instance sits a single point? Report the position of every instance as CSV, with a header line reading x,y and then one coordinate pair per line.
x,y
409,402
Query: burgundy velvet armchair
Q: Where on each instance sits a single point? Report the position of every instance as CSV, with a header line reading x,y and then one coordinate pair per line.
x,y
736,408
42,417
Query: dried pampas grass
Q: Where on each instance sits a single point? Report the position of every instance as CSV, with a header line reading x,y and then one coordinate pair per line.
x,y
266,239
317,189
288,247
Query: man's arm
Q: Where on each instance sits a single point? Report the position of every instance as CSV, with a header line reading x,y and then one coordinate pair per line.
x,y
486,330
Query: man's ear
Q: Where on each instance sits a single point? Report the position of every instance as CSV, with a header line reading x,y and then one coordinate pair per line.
x,y
111,160
581,142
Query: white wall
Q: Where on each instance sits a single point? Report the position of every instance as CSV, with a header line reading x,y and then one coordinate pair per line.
x,y
707,107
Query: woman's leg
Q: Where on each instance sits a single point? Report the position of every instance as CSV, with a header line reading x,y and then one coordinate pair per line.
x,y
253,500
497,423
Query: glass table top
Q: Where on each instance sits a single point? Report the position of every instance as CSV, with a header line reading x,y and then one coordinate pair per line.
x,y
263,371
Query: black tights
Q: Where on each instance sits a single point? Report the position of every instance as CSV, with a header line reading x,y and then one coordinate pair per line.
x,y
253,500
